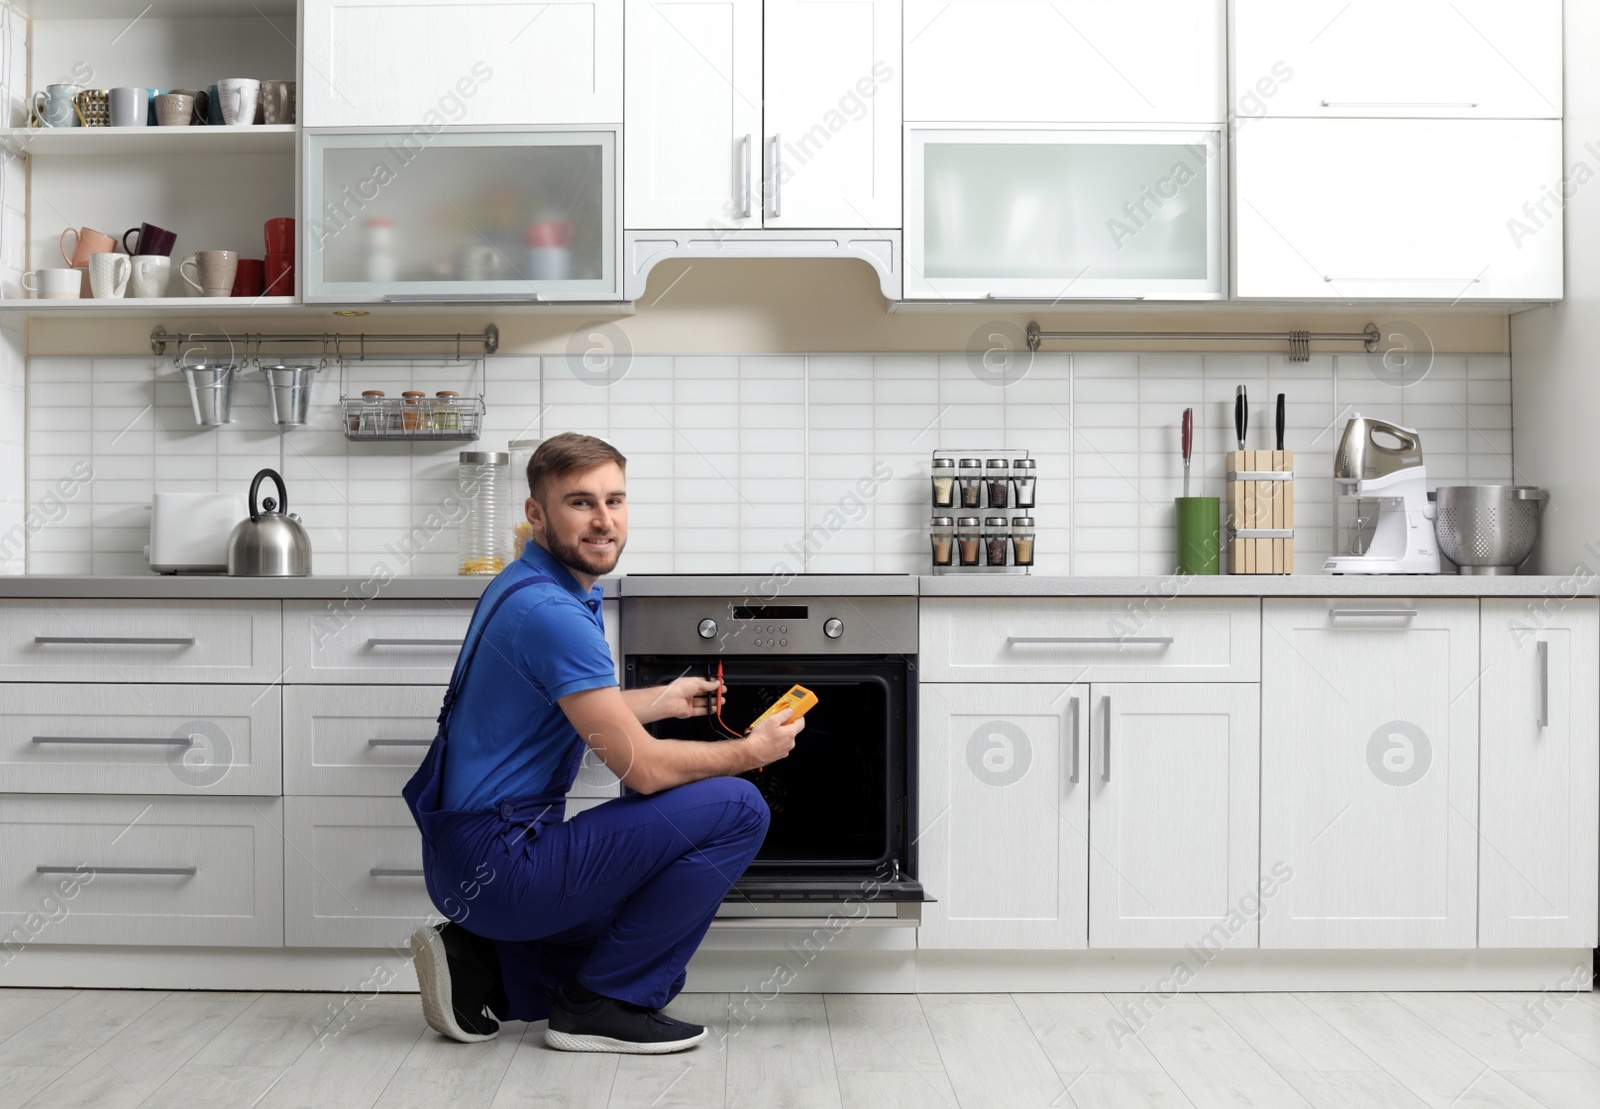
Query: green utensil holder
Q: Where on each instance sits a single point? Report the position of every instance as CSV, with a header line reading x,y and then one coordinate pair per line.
x,y
1199,538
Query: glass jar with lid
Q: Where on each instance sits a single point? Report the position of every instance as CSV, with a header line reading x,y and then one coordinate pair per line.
x,y
997,482
481,477
944,483
521,451
446,417
970,474
1022,540
942,532
413,413
372,415
1024,477
969,540
996,540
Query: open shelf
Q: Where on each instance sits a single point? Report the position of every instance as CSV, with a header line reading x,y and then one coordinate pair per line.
x,y
132,9
180,306
278,138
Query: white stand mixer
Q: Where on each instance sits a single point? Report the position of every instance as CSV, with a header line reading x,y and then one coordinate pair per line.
x,y
1403,541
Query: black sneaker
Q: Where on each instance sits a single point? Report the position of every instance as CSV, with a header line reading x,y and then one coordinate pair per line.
x,y
606,1024
456,982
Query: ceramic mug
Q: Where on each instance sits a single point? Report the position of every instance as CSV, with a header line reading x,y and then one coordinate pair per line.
x,y
213,113
280,235
150,275
202,102
250,278
278,100
89,241
94,107
278,273
216,270
152,240
239,96
108,275
58,284
174,109
130,107
60,105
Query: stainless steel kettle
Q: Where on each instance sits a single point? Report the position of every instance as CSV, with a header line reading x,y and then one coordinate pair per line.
x,y
271,543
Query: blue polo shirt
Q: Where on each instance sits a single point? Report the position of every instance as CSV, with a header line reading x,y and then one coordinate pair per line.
x,y
507,734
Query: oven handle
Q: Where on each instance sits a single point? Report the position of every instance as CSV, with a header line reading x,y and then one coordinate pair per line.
x,y
908,914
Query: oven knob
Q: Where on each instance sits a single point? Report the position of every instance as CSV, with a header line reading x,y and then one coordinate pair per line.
x,y
708,629
833,627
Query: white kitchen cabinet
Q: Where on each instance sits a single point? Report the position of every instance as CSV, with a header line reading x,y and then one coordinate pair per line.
x,y
356,740
1075,61
375,642
353,873
1173,781
1003,815
1051,214
1351,209
739,121
479,63
1369,772
1539,810
1466,58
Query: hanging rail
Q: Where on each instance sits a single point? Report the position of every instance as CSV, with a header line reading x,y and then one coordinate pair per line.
x,y
1299,341
160,337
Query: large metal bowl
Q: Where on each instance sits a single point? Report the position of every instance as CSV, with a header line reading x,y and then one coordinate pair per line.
x,y
1488,529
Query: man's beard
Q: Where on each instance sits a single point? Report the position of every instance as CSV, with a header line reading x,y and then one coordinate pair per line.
x,y
574,557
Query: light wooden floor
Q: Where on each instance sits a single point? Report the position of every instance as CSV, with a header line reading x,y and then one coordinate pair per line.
x,y
107,1049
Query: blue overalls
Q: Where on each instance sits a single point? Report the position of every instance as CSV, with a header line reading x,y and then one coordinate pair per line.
x,y
619,897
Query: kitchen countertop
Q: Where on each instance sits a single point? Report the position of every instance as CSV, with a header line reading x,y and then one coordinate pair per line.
x,y
201,587
1260,585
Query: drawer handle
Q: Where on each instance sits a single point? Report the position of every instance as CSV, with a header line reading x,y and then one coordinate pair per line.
x,y
1399,103
395,872
181,871
1400,613
119,640
1138,640
414,642
153,741
398,742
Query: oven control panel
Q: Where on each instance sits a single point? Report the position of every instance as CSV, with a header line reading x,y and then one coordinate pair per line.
x,y
801,626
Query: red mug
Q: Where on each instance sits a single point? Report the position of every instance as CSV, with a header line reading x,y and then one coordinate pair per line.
x,y
250,279
280,235
279,275
555,232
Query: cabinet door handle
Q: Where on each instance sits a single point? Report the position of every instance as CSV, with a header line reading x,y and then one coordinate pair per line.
x,y
1331,280
143,740
398,742
746,186
1074,727
1105,766
1400,613
777,175
395,872
1544,684
180,871
414,643
1139,640
1399,104
119,640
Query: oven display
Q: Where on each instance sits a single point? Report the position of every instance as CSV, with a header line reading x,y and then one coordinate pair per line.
x,y
771,612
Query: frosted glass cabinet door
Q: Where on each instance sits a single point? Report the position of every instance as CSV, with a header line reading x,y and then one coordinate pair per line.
x,y
1053,214
477,216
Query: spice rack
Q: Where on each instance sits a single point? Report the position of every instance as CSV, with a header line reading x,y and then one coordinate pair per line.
x,y
983,504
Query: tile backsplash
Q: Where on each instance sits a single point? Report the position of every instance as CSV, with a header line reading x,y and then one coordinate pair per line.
x,y
746,464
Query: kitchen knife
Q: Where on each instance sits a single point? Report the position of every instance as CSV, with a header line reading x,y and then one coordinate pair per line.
x,y
1280,421
1241,414
1188,446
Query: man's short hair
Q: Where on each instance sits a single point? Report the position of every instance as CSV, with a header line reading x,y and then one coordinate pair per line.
x,y
568,453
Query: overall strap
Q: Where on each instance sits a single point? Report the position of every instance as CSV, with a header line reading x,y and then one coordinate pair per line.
x,y
471,648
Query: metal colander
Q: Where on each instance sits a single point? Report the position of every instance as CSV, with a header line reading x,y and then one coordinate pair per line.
x,y
1488,529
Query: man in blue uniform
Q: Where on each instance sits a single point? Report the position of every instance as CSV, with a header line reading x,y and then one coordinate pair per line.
x,y
589,921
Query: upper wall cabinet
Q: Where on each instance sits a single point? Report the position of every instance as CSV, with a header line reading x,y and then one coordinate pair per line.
x,y
1464,58
1075,61
703,153
469,62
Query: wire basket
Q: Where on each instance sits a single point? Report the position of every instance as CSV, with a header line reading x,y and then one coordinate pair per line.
x,y
439,419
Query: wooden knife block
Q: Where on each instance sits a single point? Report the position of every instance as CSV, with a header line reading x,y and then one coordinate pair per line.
x,y
1260,504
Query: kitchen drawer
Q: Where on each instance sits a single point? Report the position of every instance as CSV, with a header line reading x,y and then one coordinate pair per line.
x,y
194,871
353,872
1062,639
140,641
396,642
102,738
366,740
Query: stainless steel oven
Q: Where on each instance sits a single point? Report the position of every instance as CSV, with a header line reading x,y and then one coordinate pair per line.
x,y
843,802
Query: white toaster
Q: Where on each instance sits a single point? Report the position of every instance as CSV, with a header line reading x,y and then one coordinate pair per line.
x,y
189,531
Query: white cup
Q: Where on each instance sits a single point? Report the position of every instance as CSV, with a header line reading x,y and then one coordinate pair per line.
x,y
150,276
240,95
56,284
108,275
130,107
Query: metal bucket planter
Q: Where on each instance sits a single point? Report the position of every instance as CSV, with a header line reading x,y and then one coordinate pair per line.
x,y
210,391
289,390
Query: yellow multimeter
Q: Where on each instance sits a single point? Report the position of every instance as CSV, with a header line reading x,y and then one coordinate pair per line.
x,y
799,698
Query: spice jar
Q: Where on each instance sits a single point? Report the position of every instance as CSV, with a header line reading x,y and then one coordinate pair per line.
x,y
372,416
970,471
413,413
996,539
968,540
1024,473
944,483
942,533
1022,540
997,478
445,415
482,481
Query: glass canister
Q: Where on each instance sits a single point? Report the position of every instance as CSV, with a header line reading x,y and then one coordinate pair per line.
x,y
996,540
970,472
969,540
413,412
942,533
371,419
1024,478
997,480
944,483
482,488
521,451
1022,540
446,417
